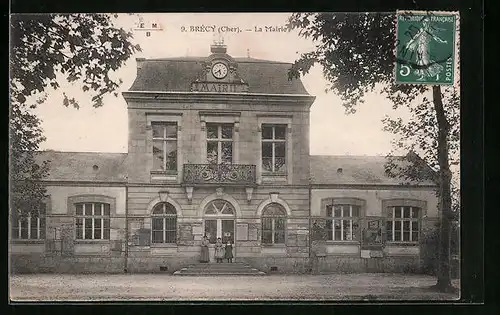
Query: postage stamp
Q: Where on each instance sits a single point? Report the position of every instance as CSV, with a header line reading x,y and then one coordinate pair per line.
x,y
425,47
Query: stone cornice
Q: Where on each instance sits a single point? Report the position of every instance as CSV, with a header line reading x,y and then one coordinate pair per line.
x,y
371,186
245,98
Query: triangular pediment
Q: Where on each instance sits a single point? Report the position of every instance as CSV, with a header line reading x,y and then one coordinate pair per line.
x,y
225,80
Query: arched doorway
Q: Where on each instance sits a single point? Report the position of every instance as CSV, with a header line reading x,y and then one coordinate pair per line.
x,y
219,221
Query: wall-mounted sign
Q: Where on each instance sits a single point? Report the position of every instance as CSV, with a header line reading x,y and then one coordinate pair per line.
x,y
252,234
215,87
197,229
372,235
242,232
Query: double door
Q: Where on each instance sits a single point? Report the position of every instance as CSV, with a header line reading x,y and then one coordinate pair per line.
x,y
219,228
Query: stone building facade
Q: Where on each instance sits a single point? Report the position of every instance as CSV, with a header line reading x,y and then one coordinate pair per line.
x,y
219,146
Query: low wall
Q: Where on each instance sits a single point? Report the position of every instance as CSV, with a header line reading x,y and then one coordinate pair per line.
x,y
334,264
34,263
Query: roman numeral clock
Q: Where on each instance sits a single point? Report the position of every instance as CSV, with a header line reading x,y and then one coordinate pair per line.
x,y
219,70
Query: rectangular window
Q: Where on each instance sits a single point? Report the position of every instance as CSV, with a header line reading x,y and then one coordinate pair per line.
x,y
157,230
342,223
273,230
164,229
92,221
30,227
219,143
403,224
164,146
170,230
274,148
267,230
211,230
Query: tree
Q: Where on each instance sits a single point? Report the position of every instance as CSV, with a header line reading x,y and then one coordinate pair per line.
x,y
356,53
82,48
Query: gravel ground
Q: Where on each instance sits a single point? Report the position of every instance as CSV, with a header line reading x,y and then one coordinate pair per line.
x,y
154,287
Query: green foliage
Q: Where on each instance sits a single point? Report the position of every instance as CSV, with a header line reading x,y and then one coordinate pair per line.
x,y
429,252
357,55
26,172
45,49
80,47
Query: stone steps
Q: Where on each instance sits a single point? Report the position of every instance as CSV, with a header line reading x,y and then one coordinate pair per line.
x,y
219,269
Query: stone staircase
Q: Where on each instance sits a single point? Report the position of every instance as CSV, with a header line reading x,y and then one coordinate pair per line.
x,y
219,269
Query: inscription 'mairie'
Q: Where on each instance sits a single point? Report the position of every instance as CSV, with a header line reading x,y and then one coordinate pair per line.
x,y
210,87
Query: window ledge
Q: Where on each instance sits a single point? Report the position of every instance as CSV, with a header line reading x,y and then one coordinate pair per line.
x,y
274,174
343,242
172,173
163,245
272,245
164,176
410,244
27,241
92,241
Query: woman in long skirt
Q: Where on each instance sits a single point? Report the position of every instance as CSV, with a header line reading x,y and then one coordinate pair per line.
x,y
219,250
204,250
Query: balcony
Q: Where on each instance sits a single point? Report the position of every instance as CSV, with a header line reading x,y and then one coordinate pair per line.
x,y
237,174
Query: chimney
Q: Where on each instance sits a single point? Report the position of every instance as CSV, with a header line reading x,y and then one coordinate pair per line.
x,y
218,46
218,49
139,62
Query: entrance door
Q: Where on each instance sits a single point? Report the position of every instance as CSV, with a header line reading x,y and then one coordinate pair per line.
x,y
227,231
223,228
219,222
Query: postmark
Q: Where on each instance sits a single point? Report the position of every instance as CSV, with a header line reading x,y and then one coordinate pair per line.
x,y
425,47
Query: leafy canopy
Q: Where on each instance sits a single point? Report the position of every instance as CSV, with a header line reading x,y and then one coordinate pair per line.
x,y
357,55
83,47
44,50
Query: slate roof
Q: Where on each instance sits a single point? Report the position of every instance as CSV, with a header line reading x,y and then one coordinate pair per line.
x,y
356,170
177,74
79,166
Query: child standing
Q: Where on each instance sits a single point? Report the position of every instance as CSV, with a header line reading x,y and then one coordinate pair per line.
x,y
229,252
219,250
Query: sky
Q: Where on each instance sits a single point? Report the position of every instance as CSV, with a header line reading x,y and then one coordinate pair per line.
x,y
104,129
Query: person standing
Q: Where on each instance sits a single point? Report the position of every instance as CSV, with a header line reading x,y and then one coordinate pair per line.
x,y
219,250
204,257
229,252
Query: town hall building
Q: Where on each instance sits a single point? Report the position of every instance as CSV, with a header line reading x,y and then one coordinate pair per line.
x,y
219,147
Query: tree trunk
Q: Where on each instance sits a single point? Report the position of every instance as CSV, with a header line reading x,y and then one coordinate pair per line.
x,y
444,279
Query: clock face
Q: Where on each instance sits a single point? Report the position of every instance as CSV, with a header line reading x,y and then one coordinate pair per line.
x,y
219,70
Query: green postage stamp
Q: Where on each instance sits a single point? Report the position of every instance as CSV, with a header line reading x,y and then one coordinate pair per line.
x,y
426,47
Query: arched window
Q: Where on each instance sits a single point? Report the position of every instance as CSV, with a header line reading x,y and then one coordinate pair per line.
x,y
164,223
30,227
219,220
219,207
273,224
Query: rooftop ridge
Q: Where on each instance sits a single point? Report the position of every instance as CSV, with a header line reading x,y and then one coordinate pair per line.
x,y
199,58
80,152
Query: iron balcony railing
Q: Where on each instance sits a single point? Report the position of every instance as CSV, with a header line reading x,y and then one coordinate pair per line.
x,y
219,174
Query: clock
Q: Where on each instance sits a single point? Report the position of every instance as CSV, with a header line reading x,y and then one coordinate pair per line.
x,y
219,70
